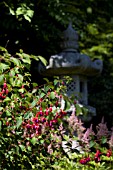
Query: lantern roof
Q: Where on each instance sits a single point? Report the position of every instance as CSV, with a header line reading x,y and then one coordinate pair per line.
x,y
70,61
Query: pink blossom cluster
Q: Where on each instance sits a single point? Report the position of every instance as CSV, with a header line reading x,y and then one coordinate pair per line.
x,y
102,130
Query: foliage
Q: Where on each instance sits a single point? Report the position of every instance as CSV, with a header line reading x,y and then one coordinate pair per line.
x,y
22,22
35,129
30,115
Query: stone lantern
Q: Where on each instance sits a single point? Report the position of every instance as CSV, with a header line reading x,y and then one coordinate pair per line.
x,y
78,66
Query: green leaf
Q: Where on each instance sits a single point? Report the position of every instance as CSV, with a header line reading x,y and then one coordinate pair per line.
x,y
20,77
19,122
33,103
56,82
1,108
7,99
28,115
11,81
104,140
43,60
15,61
78,109
29,148
20,11
26,58
8,113
46,88
0,125
22,147
33,140
35,85
42,141
43,104
21,90
18,83
12,73
1,79
66,137
91,144
46,80
42,95
27,18
52,95
3,49
30,12
4,66
12,11
35,57
17,149
67,105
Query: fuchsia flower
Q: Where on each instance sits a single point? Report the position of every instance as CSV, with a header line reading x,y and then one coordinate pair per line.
x,y
97,156
47,112
50,109
109,153
28,126
85,160
35,120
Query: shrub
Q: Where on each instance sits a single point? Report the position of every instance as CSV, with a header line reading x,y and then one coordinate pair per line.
x,y
34,123
30,115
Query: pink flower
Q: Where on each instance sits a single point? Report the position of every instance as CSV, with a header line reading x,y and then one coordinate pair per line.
x,y
102,130
50,150
87,136
110,142
76,125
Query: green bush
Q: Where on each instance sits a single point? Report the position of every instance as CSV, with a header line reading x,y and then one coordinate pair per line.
x,y
34,123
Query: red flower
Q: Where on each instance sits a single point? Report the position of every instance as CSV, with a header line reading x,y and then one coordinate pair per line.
x,y
85,160
28,126
109,153
4,85
35,120
97,156
98,153
50,109
47,112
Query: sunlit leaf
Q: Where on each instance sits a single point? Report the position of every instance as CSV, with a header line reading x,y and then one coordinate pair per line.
x,y
33,140
4,66
44,61
19,122
52,95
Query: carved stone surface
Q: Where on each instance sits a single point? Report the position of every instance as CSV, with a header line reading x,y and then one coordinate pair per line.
x,y
67,63
70,39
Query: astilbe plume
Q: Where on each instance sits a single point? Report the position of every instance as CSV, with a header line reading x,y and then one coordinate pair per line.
x,y
110,142
76,125
61,129
102,130
87,136
56,139
49,149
